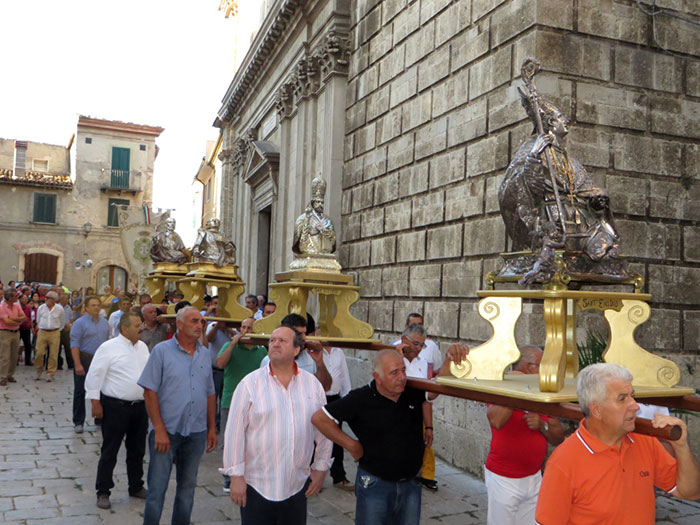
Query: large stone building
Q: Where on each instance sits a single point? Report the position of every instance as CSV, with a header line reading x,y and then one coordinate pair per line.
x,y
422,95
60,203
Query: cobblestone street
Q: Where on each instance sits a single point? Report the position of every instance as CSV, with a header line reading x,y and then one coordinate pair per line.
x,y
47,474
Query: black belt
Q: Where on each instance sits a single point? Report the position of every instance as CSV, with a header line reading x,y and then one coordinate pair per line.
x,y
49,329
8,330
217,369
122,402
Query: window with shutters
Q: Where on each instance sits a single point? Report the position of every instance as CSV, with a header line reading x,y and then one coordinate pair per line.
x,y
45,208
113,211
119,177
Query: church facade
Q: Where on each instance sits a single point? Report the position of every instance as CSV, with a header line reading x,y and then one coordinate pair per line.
x,y
410,110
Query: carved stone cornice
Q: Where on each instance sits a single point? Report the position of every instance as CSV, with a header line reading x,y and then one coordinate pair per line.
x,y
226,156
241,148
284,100
334,55
312,72
267,39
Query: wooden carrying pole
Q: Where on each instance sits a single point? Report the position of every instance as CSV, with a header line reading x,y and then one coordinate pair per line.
x,y
563,410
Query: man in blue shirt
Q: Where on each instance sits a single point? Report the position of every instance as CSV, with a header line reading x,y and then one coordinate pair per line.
x,y
87,334
181,404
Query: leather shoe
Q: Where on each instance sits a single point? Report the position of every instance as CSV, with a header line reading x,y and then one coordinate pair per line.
x,y
103,501
11,380
429,484
140,494
3,381
344,485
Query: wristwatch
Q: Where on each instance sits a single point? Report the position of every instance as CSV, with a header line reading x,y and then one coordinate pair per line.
x,y
546,427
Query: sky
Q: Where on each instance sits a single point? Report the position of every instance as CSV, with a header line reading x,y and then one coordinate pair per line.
x,y
162,63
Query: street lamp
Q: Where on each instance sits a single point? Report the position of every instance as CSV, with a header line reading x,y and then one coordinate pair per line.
x,y
87,228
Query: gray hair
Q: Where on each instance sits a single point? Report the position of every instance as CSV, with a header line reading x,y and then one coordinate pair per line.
x,y
125,320
379,360
7,293
180,317
415,328
143,308
53,295
592,385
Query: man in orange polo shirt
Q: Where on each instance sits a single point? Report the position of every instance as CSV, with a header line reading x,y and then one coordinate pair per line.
x,y
604,473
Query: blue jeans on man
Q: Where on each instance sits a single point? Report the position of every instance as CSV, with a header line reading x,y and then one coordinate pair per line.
x,y
185,452
381,502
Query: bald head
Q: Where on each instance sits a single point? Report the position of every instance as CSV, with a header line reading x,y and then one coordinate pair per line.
x,y
385,358
529,362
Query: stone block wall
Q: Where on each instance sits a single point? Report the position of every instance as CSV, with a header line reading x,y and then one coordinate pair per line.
x,y
433,119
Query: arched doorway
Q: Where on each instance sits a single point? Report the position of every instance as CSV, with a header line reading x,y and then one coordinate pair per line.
x,y
112,275
41,268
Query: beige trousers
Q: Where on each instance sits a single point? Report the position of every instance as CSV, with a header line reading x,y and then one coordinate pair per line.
x,y
52,339
9,346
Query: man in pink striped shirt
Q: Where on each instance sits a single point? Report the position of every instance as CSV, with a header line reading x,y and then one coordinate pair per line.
x,y
269,439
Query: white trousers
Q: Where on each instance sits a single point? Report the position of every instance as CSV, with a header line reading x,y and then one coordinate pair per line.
x,y
512,501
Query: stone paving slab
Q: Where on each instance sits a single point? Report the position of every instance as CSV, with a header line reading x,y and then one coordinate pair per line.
x,y
47,474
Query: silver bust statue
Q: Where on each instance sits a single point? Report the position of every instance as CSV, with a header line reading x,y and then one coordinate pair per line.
x,y
211,247
166,244
313,231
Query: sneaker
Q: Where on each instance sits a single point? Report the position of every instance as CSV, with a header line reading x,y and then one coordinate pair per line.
x,y
227,485
429,484
38,375
11,380
49,379
103,501
344,485
140,494
78,429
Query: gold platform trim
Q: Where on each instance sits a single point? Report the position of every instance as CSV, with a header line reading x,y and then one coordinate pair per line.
x,y
229,288
336,294
623,312
526,386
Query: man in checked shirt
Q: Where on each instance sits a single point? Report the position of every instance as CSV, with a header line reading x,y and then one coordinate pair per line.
x,y
270,440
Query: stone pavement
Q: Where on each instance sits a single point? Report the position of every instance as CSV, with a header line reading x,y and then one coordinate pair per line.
x,y
47,474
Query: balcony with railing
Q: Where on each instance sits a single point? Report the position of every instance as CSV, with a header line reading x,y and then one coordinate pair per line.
x,y
121,181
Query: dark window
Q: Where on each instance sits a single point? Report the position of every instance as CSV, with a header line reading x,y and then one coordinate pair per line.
x,y
120,168
88,140
142,147
113,211
45,208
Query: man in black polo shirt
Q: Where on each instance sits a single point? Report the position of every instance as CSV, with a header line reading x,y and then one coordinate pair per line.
x,y
387,419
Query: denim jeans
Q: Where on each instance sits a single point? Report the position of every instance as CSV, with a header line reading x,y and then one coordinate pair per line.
x,y
185,452
381,502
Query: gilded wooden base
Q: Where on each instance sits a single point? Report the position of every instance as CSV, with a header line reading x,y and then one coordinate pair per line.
x,y
623,311
228,284
316,263
336,294
526,386
163,274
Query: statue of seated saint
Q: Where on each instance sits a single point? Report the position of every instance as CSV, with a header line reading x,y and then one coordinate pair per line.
x,y
530,196
166,244
313,231
211,247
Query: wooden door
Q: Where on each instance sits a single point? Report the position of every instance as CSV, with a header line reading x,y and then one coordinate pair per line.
x,y
41,267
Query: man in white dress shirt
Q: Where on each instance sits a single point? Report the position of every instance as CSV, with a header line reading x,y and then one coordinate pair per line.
x,y
124,306
50,319
270,439
111,386
412,345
